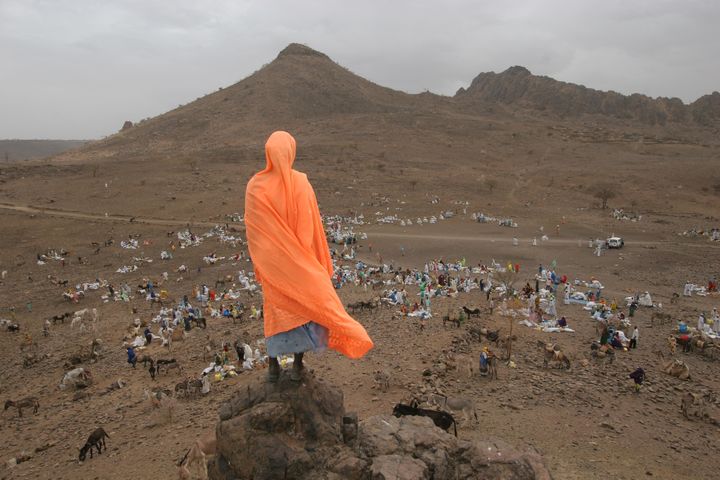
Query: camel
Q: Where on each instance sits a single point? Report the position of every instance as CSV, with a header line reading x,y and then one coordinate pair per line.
x,y
204,446
692,405
603,352
459,362
554,354
677,368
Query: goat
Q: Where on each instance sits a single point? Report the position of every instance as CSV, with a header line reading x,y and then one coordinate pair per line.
x,y
382,380
13,327
204,446
24,403
470,313
97,440
441,419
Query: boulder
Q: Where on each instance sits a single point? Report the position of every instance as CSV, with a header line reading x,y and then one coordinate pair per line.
x,y
300,430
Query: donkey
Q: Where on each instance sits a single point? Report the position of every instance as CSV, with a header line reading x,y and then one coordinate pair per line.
x,y
97,440
24,403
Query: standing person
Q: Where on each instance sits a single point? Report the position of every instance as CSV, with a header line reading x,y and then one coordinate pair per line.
x,y
633,307
240,351
132,358
290,254
701,322
634,337
638,377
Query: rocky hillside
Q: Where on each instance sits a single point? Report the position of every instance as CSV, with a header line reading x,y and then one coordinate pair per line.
x,y
297,89
301,431
520,89
304,91
15,150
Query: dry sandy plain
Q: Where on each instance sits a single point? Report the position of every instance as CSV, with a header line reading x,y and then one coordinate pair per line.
x,y
367,149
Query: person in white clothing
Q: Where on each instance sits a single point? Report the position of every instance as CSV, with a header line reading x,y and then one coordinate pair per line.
x,y
634,338
701,322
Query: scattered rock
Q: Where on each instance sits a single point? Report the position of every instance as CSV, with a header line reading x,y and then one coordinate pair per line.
x,y
300,431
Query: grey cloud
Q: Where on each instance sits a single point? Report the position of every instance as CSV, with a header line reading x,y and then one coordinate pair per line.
x,y
79,68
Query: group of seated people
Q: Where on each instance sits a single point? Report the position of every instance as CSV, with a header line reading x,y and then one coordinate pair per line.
x,y
615,337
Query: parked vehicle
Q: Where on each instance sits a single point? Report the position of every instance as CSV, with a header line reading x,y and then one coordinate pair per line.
x,y
615,242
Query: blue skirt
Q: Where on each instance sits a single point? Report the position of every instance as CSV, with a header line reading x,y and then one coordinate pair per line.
x,y
305,338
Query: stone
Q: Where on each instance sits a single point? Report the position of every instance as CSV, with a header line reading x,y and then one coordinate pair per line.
x,y
397,467
301,431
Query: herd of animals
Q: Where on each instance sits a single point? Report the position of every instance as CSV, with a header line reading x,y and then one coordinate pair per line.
x,y
439,408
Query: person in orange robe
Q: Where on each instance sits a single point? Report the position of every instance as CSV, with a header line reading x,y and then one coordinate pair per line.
x,y
291,258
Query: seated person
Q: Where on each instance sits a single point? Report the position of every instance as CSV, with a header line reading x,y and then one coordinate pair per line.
x,y
562,323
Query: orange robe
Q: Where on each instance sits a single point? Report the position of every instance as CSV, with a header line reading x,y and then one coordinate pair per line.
x,y
290,255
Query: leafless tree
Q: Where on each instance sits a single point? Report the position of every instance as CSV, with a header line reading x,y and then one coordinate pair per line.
x,y
507,279
604,192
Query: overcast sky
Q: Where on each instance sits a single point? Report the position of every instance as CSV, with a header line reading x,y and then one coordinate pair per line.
x,y
79,68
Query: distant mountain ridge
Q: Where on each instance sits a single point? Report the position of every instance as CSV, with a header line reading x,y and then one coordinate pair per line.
x,y
15,150
519,88
305,91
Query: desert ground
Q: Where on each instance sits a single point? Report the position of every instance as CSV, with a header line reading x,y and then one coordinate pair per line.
x,y
188,169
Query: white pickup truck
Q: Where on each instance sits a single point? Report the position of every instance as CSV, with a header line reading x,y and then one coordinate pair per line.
x,y
615,242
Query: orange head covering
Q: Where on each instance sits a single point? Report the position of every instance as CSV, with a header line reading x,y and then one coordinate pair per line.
x,y
287,244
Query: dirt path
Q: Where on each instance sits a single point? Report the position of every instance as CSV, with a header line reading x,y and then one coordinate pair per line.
x,y
76,215
72,214
480,237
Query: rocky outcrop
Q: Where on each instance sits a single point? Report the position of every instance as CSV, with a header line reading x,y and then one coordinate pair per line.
x,y
517,87
300,50
301,431
706,109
